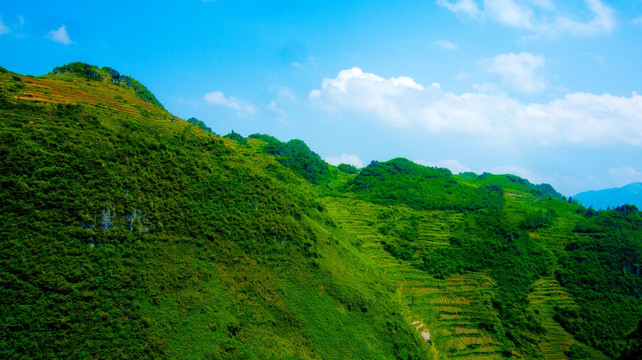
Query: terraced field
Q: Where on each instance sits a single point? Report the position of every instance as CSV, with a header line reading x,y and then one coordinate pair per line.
x,y
558,234
548,293
60,91
108,99
446,312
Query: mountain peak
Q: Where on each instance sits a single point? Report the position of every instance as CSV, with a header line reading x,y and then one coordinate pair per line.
x,y
106,74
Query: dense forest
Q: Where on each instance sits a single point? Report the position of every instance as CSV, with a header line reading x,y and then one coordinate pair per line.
x,y
129,233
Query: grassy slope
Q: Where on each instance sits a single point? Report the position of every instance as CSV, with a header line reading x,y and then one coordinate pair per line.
x,y
128,233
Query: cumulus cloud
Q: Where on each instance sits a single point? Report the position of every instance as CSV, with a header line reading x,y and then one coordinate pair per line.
x,y
364,92
540,17
520,71
578,118
218,98
345,159
453,165
59,36
445,44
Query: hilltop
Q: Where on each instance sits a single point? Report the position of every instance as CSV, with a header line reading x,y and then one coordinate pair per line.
x,y
131,233
106,74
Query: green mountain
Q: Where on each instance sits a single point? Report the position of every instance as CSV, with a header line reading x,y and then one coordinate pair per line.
x,y
199,124
610,198
130,233
106,74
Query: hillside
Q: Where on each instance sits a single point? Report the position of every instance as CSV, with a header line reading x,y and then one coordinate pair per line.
x,y
130,233
610,198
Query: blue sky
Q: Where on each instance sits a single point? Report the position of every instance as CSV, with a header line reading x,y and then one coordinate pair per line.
x,y
545,89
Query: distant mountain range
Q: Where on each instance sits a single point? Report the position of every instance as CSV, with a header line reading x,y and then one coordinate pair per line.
x,y
601,199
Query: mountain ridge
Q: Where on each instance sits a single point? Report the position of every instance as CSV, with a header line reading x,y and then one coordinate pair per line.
x,y
130,233
630,194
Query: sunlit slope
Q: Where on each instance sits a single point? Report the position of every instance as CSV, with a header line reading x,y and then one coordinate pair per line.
x,y
129,233
547,294
450,309
472,275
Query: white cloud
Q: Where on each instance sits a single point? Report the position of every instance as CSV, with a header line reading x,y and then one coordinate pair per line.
x,y
453,165
540,17
284,93
4,29
626,173
603,21
621,176
468,7
345,159
242,107
364,92
296,65
520,71
445,44
274,107
637,20
579,118
510,13
546,4
59,36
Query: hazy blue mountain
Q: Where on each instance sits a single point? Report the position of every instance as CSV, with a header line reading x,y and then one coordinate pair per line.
x,y
601,199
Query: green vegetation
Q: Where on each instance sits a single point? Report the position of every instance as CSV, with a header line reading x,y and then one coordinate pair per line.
x,y
516,184
199,124
524,236
296,156
602,271
400,181
107,74
348,169
129,233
